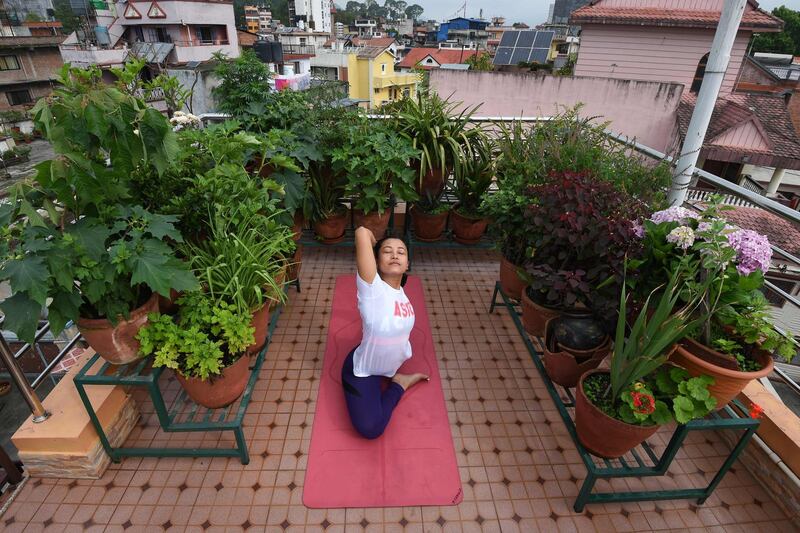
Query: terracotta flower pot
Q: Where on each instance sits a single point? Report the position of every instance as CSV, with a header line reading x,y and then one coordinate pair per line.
x,y
297,227
293,272
566,365
373,221
431,184
168,306
602,435
221,390
510,280
260,321
696,359
535,316
117,344
467,230
331,229
428,227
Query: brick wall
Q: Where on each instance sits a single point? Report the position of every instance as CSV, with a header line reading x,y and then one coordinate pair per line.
x,y
37,66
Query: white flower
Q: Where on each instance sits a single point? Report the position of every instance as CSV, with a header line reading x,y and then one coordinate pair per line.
x,y
682,236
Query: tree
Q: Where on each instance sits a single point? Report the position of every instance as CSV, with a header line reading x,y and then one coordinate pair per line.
x,y
414,11
243,81
481,61
785,42
65,15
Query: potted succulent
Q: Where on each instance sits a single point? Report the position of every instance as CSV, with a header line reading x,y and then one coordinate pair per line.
x,y
429,216
472,180
206,346
241,264
439,132
580,230
735,342
375,161
76,242
618,408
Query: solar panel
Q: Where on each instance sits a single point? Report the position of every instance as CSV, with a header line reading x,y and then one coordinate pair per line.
x,y
509,38
503,56
539,55
524,46
543,39
519,55
525,39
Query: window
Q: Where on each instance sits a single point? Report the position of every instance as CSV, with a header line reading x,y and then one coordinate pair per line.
x,y
383,68
699,74
19,97
205,34
9,63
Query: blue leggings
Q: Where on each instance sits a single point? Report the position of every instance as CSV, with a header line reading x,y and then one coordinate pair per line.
x,y
369,408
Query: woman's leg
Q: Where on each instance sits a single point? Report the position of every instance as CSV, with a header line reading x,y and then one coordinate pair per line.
x,y
370,409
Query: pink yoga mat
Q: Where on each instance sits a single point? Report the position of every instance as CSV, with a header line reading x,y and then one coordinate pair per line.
x,y
413,462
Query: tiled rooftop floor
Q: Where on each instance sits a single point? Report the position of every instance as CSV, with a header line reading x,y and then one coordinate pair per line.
x,y
519,468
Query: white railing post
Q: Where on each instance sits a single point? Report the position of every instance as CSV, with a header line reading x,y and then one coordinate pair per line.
x,y
717,65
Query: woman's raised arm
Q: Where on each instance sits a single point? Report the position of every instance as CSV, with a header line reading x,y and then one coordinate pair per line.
x,y
365,256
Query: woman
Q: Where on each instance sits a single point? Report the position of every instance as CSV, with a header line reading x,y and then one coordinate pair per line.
x,y
387,319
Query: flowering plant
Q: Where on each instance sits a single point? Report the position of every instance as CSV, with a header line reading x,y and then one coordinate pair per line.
x,y
181,120
733,259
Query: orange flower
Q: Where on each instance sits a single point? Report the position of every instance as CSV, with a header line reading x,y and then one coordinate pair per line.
x,y
756,411
643,403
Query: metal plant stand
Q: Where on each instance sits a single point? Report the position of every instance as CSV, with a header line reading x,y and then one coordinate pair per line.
x,y
642,461
182,415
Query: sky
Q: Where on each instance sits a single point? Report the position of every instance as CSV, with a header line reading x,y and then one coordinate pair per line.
x,y
531,12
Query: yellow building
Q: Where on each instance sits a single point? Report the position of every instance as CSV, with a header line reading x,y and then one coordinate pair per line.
x,y
373,80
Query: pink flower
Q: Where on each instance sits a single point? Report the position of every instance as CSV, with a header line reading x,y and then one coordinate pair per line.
x,y
674,214
753,251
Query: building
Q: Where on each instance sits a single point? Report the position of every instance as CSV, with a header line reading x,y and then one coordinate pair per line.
x,y
167,32
466,32
19,10
565,43
257,18
366,28
433,58
339,29
28,69
560,10
387,43
670,40
368,70
313,15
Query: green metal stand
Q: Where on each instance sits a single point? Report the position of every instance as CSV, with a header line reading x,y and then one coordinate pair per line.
x,y
642,462
183,414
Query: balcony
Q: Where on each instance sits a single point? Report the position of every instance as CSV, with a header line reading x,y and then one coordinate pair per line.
x,y
519,467
85,55
393,80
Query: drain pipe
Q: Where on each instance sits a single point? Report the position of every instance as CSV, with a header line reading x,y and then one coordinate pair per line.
x,y
718,59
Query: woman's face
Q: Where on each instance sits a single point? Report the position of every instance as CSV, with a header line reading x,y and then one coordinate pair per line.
x,y
392,257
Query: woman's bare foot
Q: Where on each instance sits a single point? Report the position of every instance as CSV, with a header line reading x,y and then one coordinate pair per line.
x,y
407,380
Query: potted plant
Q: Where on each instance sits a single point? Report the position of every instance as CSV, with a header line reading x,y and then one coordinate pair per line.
x,y
327,212
429,216
241,264
375,162
76,242
579,231
735,341
439,132
473,177
619,408
572,348
206,346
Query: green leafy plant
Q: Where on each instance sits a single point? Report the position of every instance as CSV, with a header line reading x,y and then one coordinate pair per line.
x,y
432,204
375,162
639,387
240,261
436,129
474,176
75,240
244,82
207,336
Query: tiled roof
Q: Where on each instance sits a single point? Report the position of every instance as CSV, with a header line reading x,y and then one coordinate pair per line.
x,y
598,13
770,115
779,231
384,42
370,52
415,55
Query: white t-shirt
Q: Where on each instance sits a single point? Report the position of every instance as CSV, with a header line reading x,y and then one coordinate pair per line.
x,y
387,319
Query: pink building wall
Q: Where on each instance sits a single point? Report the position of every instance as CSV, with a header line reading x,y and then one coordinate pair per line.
x,y
657,54
643,110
